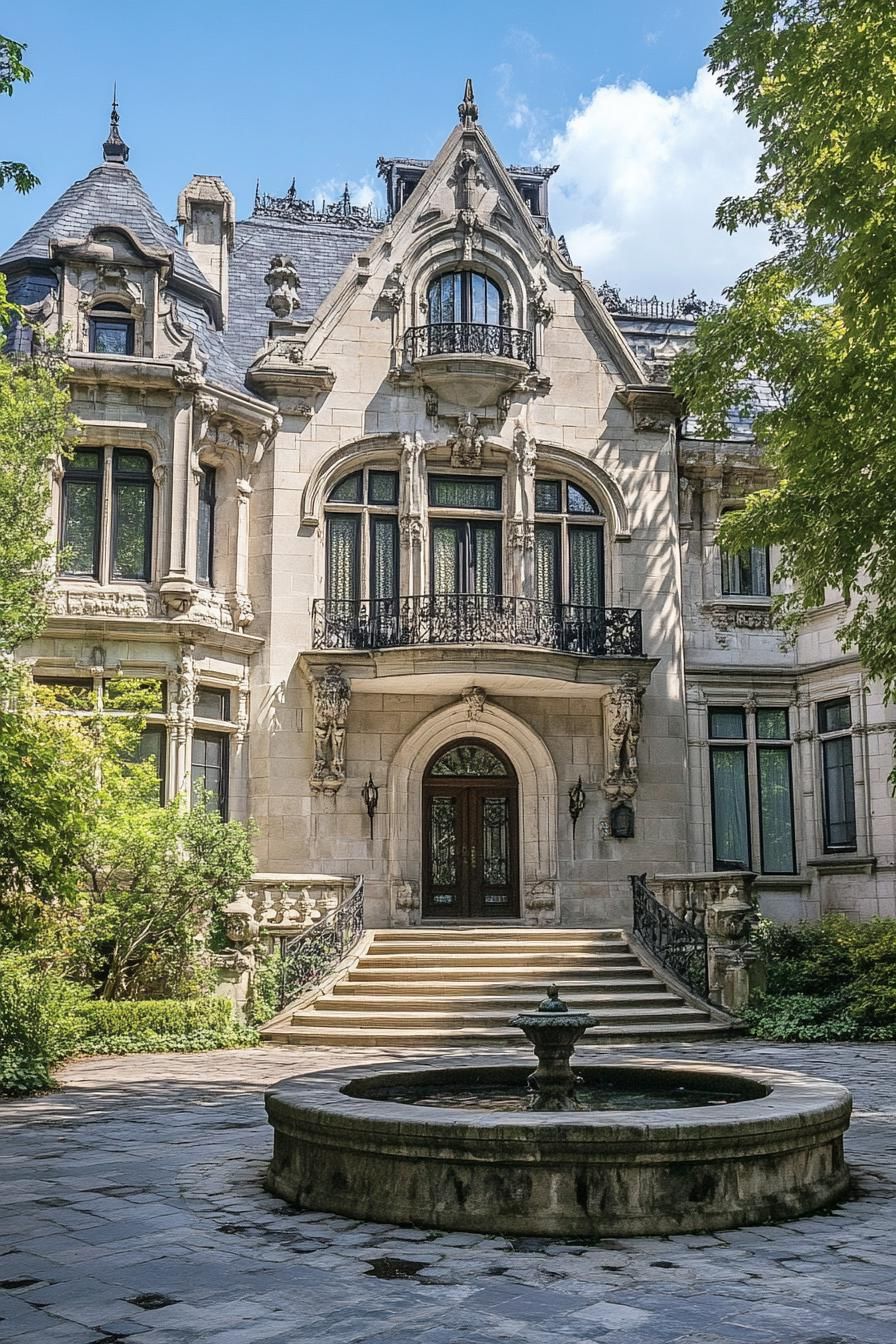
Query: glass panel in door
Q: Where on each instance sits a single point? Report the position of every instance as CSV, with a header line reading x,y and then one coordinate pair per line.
x,y
494,876
586,579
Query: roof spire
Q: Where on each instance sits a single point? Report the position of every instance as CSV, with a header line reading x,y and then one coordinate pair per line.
x,y
467,110
114,149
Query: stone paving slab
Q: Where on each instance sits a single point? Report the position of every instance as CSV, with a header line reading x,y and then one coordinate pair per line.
x,y
131,1208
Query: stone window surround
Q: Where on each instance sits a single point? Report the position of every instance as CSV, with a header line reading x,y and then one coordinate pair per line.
x,y
105,439
436,253
750,742
537,782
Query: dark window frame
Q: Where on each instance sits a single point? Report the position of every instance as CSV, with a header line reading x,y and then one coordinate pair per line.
x,y
223,790
145,479
434,478
463,529
466,275
74,475
740,749
110,316
208,492
767,745
830,738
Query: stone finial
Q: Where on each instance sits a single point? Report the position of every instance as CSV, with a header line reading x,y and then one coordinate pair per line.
x,y
284,283
467,111
114,149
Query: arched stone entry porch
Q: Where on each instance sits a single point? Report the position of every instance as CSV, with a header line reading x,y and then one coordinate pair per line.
x,y
537,785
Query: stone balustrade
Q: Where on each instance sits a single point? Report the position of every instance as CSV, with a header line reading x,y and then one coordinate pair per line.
x,y
285,904
723,906
272,908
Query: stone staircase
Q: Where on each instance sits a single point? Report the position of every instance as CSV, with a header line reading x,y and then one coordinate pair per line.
x,y
452,986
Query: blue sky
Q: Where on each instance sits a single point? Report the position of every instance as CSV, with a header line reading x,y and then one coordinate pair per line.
x,y
319,90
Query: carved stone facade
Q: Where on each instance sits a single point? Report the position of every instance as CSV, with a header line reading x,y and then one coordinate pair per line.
x,y
370,535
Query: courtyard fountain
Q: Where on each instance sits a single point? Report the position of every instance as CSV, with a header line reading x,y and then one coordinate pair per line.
x,y
625,1147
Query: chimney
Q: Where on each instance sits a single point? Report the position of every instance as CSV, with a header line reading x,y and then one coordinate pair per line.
x,y
206,211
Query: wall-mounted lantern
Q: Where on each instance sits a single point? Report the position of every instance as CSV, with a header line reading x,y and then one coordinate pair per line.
x,y
577,802
370,793
622,821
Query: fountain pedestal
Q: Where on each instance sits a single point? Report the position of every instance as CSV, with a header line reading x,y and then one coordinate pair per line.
x,y
553,1031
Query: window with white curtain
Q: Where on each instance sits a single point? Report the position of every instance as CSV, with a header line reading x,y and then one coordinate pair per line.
x,y
362,537
751,787
569,545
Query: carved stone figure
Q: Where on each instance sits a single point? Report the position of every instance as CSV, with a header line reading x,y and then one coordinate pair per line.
x,y
525,452
283,281
623,721
466,443
542,310
332,695
392,293
474,699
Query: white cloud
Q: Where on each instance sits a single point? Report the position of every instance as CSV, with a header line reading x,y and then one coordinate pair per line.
x,y
363,193
641,175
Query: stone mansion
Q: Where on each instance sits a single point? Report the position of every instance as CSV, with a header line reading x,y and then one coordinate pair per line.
x,y
404,520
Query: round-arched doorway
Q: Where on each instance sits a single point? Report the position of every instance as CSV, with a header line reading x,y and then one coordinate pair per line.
x,y
470,834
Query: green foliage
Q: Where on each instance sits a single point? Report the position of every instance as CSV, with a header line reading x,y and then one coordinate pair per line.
x,y
159,1025
48,801
265,997
39,1022
816,322
156,878
36,427
13,70
828,981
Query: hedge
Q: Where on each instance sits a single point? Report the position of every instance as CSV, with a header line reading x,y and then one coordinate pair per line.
x,y
831,980
39,1022
152,1025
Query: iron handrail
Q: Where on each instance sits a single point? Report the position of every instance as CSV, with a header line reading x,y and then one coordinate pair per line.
x,y
313,953
469,338
679,947
476,618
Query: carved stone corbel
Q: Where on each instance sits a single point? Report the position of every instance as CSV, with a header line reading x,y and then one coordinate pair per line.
x,y
474,699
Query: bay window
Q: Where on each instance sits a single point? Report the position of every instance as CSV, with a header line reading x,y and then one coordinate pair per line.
x,y
210,752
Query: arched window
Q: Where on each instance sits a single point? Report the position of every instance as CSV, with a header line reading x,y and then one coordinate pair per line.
x,y
111,329
362,538
113,544
464,296
569,546
746,573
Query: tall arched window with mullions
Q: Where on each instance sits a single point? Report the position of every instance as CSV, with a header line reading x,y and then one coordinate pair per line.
x,y
464,296
569,546
362,541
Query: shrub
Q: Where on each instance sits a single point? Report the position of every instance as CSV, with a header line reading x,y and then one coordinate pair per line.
x,y
39,1022
264,999
833,980
152,1025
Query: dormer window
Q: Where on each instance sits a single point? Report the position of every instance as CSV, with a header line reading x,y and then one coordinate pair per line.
x,y
111,330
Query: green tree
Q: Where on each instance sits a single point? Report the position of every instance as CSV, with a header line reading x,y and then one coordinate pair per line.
x,y
13,70
816,322
36,427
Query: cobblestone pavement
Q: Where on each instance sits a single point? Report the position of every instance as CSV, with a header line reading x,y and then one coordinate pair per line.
x,y
131,1208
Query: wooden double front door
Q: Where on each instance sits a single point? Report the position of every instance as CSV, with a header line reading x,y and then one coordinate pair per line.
x,y
470,840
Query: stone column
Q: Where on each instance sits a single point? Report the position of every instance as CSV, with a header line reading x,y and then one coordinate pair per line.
x,y
411,508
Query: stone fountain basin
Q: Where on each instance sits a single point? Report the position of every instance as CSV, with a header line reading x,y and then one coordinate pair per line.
x,y
775,1155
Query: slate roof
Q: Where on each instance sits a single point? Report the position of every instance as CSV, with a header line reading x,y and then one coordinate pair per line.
x,y
110,194
221,368
320,252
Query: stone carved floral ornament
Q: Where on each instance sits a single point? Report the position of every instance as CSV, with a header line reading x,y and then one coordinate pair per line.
x,y
622,711
331,696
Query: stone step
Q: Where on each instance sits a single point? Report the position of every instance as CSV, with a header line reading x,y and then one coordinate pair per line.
x,y
471,976
444,1039
487,957
323,1014
514,943
526,996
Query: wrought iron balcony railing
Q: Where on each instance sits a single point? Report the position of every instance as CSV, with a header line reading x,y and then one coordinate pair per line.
x,y
469,338
473,618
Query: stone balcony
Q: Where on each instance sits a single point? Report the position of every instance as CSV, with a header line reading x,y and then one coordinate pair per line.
x,y
471,364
